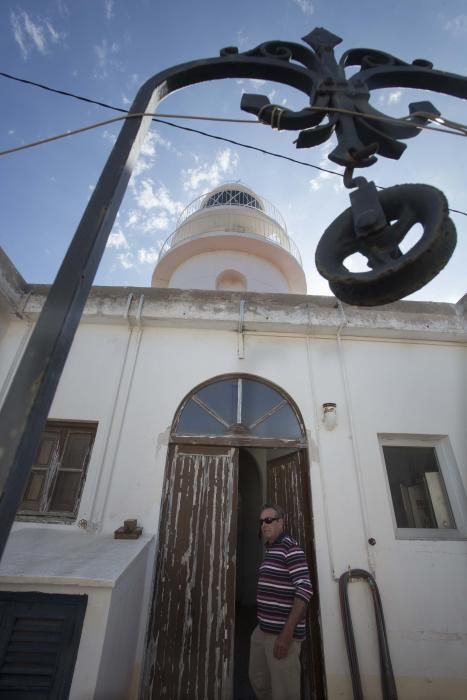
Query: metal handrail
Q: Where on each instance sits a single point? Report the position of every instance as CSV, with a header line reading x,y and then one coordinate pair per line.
x,y
271,237
242,199
252,201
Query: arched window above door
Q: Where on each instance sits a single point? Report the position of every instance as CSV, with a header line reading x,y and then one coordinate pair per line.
x,y
239,407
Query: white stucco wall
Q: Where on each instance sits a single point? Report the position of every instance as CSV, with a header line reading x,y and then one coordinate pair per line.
x,y
407,389
201,272
136,377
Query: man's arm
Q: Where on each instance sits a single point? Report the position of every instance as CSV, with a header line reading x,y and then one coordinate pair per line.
x,y
300,575
283,640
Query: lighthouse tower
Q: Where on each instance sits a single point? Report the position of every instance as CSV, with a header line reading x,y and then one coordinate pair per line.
x,y
231,239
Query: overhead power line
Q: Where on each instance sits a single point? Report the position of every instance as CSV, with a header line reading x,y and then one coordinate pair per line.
x,y
460,129
455,128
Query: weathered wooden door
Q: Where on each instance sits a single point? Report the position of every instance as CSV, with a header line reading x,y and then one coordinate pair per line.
x,y
191,639
288,486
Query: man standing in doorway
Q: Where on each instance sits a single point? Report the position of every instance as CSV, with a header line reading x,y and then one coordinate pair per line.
x,y
284,589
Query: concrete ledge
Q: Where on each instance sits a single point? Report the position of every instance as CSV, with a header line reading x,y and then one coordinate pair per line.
x,y
44,555
266,313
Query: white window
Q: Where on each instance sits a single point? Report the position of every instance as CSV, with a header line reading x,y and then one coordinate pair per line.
x,y
427,494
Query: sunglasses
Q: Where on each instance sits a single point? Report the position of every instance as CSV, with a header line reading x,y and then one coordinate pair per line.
x,y
268,521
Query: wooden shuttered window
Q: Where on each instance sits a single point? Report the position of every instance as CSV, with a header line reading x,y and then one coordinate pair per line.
x,y
39,640
58,473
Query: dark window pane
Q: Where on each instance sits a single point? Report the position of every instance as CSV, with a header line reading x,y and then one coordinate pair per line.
x,y
281,424
66,492
46,448
235,197
195,421
33,492
221,397
76,451
417,488
258,399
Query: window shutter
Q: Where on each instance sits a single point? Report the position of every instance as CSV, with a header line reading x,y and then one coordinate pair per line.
x,y
39,639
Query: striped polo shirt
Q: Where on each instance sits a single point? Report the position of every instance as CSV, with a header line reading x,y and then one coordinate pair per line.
x,y
283,576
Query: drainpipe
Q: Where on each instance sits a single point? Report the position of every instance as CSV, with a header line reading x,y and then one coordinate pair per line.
x,y
20,313
327,524
241,331
96,512
355,451
128,385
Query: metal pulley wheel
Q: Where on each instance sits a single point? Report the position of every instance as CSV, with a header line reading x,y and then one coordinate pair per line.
x,y
394,274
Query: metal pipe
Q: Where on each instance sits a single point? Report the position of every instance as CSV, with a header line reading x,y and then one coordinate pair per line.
x,y
355,452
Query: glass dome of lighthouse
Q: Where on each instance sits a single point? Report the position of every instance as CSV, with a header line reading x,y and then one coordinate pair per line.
x,y
230,239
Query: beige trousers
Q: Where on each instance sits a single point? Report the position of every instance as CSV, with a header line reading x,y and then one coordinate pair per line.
x,y
271,678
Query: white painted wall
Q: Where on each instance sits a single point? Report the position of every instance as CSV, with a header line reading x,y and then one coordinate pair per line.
x,y
134,380
201,272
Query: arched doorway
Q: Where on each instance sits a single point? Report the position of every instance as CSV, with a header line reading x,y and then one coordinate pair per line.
x,y
236,442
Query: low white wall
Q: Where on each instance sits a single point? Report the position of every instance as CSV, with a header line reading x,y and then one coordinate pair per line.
x,y
113,574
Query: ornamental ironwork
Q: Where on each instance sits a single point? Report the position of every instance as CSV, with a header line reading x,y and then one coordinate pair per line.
x,y
377,222
374,225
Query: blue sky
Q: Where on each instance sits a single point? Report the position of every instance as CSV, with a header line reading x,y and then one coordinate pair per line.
x,y
105,49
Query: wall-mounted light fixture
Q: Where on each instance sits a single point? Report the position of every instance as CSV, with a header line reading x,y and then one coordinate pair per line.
x,y
329,415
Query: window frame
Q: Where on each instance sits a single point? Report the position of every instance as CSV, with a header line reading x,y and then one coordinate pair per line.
x,y
65,427
452,481
239,437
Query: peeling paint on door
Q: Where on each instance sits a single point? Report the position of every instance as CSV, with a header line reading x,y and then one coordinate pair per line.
x,y
191,637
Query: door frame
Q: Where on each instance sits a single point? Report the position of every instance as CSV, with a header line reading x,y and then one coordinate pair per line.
x,y
316,650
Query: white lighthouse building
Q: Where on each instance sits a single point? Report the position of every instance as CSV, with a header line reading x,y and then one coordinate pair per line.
x,y
130,571
231,239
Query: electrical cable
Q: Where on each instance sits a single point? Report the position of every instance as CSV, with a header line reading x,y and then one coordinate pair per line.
x,y
65,93
456,129
73,132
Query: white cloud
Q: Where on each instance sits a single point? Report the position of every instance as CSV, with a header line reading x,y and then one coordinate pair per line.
x,y
126,260
54,35
325,178
306,6
250,83
117,240
32,34
242,40
356,263
19,34
150,198
35,32
209,175
109,8
148,154
109,136
159,222
148,255
394,97
457,26
63,8
105,55
133,218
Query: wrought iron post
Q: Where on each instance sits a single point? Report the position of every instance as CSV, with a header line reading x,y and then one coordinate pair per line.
x,y
345,105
